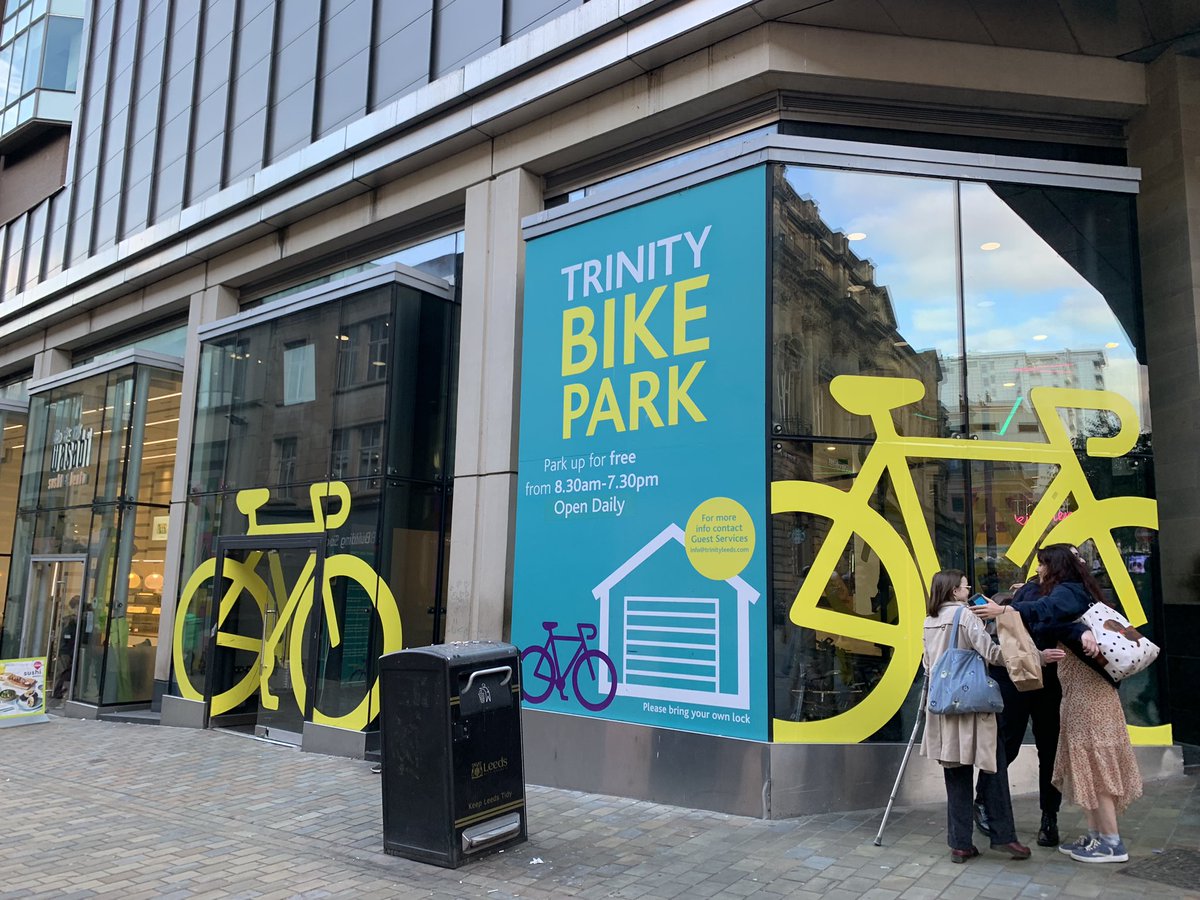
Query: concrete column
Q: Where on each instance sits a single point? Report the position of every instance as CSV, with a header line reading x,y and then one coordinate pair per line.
x,y
485,462
50,362
1164,142
206,306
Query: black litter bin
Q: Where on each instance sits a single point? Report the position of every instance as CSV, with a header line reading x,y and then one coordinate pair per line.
x,y
450,736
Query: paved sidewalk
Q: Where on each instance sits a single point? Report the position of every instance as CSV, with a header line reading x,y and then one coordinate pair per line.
x,y
93,809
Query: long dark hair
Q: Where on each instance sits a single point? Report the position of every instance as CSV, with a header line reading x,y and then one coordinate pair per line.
x,y
1063,564
941,589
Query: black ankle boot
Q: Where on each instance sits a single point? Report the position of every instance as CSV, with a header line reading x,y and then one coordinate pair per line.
x,y
1048,833
982,821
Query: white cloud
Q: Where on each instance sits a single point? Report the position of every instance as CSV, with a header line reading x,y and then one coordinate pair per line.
x,y
910,239
934,320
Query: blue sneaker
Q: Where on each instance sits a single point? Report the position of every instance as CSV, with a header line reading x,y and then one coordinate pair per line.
x,y
1100,851
1078,844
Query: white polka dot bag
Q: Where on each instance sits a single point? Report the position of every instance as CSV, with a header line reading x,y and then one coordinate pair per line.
x,y
1123,649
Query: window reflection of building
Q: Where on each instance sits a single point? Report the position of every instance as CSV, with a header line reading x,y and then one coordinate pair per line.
x,y
996,380
832,317
1003,494
370,452
285,461
883,304
353,387
299,377
378,346
339,464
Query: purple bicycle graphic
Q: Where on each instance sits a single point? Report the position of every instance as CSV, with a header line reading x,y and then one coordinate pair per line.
x,y
584,666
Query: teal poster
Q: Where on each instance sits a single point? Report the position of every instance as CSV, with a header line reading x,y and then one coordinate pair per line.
x,y
640,568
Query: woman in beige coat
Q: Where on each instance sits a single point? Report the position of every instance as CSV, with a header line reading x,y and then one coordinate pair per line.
x,y
962,742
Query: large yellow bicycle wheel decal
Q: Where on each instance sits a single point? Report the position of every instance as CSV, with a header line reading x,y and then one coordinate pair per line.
x,y
241,578
355,569
904,637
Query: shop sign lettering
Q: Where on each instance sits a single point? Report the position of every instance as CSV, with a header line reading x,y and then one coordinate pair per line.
x,y
71,449
352,539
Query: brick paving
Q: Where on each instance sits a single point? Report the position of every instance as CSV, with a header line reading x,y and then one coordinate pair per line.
x,y
100,809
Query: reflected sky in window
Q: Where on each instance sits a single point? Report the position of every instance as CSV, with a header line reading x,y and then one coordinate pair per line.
x,y
1025,304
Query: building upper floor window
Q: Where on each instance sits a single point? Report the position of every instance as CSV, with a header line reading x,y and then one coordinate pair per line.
x,y
39,63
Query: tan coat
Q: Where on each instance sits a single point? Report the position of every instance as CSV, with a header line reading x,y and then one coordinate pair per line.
x,y
968,740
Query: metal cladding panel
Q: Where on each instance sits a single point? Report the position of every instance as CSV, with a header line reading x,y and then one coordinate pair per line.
x,y
662,765
746,778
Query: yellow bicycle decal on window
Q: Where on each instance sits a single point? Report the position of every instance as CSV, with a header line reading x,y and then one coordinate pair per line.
x,y
242,579
910,571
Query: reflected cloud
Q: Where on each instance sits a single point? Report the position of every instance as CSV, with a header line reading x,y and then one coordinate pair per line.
x,y
908,223
1021,295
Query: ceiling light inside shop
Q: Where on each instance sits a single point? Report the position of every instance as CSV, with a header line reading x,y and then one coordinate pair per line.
x,y
1111,345
856,236
1010,384
378,362
990,245
343,337
1040,337
831,449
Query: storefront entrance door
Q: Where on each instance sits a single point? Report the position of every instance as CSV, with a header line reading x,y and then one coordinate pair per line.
x,y
52,627
262,636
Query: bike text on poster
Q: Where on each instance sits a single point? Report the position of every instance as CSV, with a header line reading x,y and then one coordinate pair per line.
x,y
641,512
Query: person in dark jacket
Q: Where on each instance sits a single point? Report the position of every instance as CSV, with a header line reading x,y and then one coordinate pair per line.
x,y
1040,706
1094,761
66,648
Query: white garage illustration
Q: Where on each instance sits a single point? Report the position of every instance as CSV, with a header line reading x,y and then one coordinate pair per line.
x,y
690,647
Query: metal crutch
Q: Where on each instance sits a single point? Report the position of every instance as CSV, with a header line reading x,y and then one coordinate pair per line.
x,y
904,762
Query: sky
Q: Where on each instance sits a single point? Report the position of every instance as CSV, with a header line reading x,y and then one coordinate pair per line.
x,y
1019,296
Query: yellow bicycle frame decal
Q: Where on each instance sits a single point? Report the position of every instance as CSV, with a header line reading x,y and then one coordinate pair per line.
x,y
243,579
851,515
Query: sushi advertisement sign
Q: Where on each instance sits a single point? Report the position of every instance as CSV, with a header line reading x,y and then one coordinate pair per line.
x,y
22,691
641,495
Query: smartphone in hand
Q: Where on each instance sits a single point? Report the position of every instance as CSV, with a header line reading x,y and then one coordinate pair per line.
x,y
977,600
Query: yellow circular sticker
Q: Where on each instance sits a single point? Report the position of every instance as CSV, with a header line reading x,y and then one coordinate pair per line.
x,y
719,538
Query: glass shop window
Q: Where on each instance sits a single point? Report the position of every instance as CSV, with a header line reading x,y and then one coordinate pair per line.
x,y
866,284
